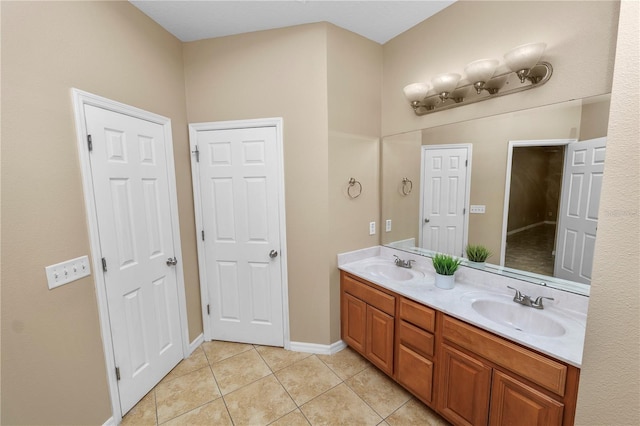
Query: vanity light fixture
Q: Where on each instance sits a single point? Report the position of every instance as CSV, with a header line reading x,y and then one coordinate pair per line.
x,y
521,71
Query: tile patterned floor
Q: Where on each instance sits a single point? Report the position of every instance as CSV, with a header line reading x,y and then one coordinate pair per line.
x,y
224,383
532,250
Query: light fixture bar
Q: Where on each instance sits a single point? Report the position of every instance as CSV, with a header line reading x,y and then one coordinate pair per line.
x,y
536,77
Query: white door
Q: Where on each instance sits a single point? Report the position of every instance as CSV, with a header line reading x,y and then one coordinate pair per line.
x,y
445,195
239,199
578,217
130,183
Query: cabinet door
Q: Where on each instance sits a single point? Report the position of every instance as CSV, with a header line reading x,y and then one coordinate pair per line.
x,y
464,388
379,347
354,322
514,403
415,372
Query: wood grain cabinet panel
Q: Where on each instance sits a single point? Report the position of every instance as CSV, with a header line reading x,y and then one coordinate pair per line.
x,y
379,347
415,372
417,314
354,322
465,386
514,403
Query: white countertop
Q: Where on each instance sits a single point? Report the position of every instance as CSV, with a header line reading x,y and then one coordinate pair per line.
x,y
567,309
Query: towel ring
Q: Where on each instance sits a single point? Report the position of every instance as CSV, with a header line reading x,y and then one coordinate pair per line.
x,y
407,186
352,184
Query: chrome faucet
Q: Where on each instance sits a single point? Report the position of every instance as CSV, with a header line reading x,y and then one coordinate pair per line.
x,y
403,263
525,300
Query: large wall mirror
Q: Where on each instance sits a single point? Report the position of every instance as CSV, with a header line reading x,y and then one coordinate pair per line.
x,y
513,183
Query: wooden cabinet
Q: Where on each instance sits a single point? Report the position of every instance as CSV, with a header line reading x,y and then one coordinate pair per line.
x,y
468,375
367,316
465,386
415,349
489,379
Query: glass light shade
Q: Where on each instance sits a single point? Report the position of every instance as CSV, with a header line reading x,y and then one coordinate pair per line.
x,y
416,92
445,83
524,57
463,90
481,70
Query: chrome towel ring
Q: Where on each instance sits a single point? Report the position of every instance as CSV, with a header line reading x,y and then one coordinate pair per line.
x,y
407,186
354,186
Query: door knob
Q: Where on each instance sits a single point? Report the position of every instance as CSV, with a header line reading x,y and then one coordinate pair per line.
x,y
426,221
273,254
172,261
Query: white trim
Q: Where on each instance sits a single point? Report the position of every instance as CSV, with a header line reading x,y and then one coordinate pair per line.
x,y
276,122
524,228
315,348
467,200
194,345
110,422
507,182
80,99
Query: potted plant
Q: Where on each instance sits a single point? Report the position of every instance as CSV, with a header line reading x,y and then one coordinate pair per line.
x,y
477,253
445,267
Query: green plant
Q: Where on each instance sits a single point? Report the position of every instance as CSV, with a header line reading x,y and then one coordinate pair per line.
x,y
445,264
477,253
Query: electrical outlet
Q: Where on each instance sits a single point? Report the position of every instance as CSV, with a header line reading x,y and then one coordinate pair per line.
x,y
372,228
387,225
477,209
68,271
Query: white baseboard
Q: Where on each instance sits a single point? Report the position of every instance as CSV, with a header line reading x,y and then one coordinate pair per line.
x,y
315,348
524,228
110,422
196,342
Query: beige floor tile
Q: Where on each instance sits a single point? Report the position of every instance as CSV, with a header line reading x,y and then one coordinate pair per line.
x,y
185,393
239,370
346,363
376,389
218,350
213,413
259,403
307,379
143,413
278,358
294,418
415,412
339,406
196,361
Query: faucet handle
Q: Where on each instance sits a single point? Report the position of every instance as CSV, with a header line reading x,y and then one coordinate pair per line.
x,y
538,302
518,296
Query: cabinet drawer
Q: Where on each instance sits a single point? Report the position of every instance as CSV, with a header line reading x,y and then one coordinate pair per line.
x,y
541,370
416,373
416,339
417,314
386,303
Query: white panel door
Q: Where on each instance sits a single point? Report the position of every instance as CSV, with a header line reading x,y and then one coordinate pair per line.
x,y
239,193
444,183
578,217
129,173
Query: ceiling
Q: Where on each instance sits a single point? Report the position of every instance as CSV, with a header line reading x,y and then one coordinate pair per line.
x,y
379,21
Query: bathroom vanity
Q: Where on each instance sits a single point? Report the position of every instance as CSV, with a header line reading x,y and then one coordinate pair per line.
x,y
471,353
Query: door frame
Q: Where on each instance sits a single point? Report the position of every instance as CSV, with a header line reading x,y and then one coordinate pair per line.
x,y
467,197
80,99
507,182
205,297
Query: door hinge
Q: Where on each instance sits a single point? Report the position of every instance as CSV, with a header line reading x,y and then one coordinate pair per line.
x,y
208,310
118,373
466,163
203,235
104,264
197,153
464,211
89,143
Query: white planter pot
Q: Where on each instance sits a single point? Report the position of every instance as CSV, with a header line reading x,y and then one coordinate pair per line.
x,y
445,281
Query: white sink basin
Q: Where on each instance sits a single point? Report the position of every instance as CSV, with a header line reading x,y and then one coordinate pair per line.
x,y
519,317
392,272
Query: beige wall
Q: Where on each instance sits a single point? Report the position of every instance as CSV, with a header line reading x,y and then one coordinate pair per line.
x,y
610,379
354,75
580,37
595,120
53,369
279,73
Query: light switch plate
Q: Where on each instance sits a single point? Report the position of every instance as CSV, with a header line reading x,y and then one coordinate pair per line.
x,y
477,209
387,227
68,271
372,228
